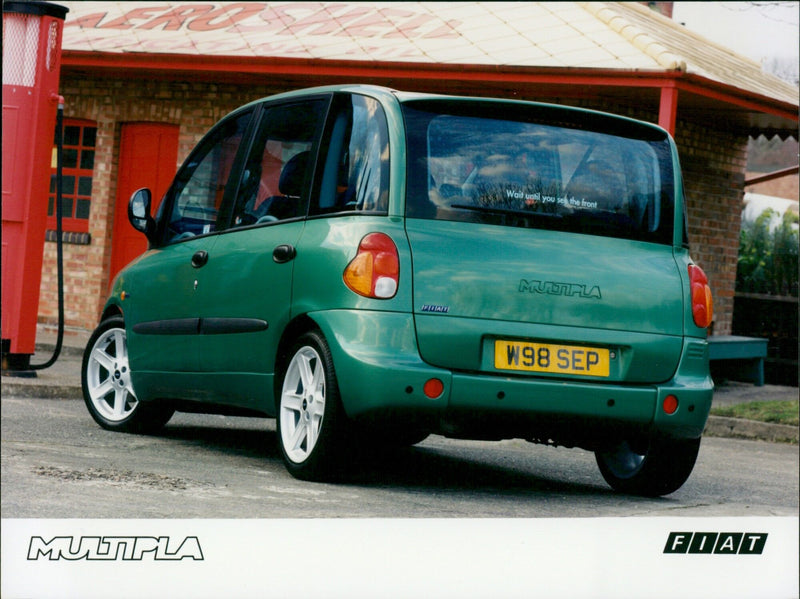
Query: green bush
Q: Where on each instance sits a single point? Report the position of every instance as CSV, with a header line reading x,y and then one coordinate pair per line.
x,y
768,257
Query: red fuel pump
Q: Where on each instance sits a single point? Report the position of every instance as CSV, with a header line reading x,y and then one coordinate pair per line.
x,y
32,34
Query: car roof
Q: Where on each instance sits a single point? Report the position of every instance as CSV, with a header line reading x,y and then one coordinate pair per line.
x,y
388,94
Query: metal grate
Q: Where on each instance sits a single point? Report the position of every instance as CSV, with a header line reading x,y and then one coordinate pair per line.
x,y
20,49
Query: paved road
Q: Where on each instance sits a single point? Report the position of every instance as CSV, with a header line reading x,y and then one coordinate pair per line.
x,y
56,463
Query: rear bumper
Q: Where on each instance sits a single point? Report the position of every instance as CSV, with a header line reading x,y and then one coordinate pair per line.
x,y
574,413
380,372
582,406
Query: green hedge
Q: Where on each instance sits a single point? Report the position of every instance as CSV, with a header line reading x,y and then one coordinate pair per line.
x,y
768,255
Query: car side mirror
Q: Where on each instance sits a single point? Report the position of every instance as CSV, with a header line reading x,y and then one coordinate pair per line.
x,y
139,213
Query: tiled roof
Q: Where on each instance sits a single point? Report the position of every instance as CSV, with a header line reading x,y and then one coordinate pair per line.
x,y
561,35
678,47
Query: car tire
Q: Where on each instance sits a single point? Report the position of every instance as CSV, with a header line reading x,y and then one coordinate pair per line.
x,y
662,469
107,388
311,424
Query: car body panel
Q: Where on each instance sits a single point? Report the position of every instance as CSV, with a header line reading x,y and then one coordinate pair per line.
x,y
547,286
326,248
242,282
166,274
378,365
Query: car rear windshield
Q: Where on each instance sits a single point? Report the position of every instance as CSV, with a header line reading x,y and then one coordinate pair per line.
x,y
537,166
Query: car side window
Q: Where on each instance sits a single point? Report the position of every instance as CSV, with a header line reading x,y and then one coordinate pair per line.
x,y
277,173
199,188
356,171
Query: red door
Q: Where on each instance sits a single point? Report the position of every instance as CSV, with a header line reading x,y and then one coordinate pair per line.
x,y
148,156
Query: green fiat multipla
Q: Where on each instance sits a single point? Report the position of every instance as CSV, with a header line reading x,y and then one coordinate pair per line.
x,y
370,266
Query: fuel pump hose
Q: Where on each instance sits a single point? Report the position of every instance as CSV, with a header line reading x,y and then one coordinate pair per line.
x,y
59,241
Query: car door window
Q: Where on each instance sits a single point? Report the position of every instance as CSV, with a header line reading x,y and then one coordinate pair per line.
x,y
200,186
356,173
277,173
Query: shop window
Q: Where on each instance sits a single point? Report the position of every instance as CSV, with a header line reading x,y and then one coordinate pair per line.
x,y
78,177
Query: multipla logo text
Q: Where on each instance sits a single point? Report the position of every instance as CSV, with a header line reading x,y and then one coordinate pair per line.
x,y
115,548
731,543
554,288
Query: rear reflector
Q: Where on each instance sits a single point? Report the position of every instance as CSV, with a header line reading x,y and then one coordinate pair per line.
x,y
433,388
670,404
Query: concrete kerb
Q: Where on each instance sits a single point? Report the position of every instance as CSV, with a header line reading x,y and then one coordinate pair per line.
x,y
63,381
739,428
732,392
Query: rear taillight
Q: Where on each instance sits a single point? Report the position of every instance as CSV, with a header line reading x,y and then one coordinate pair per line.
x,y
375,271
702,302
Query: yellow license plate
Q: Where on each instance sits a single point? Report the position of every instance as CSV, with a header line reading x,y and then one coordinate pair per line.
x,y
548,357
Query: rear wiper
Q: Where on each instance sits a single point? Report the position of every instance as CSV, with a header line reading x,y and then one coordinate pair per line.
x,y
506,211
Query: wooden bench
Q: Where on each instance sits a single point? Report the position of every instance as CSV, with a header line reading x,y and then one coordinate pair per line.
x,y
745,354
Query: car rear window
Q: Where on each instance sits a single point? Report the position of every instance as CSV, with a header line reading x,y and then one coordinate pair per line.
x,y
538,166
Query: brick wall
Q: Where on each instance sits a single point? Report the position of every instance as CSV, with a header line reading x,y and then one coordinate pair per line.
x,y
713,162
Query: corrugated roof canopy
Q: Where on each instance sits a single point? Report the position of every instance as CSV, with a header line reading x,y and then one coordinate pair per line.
x,y
502,44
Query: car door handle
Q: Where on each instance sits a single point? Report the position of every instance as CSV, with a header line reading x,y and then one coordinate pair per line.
x,y
284,253
200,258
